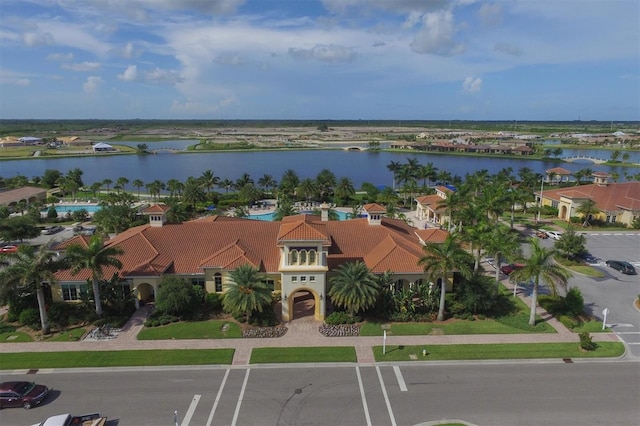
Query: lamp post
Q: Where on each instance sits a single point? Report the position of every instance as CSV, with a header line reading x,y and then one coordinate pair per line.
x,y
540,203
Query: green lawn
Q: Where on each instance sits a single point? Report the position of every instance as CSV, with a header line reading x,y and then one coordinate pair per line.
x,y
293,355
496,351
192,330
32,360
15,337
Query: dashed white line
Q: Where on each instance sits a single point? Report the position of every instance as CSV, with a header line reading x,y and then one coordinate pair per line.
x,y
401,383
218,396
386,398
192,409
244,386
364,398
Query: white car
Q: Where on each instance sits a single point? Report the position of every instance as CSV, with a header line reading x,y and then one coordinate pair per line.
x,y
554,234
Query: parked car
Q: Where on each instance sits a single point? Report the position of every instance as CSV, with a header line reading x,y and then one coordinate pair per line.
x,y
8,249
554,234
507,269
50,230
21,394
542,234
622,266
588,257
93,419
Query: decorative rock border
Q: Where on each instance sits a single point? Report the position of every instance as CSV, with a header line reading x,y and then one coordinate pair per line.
x,y
258,332
340,330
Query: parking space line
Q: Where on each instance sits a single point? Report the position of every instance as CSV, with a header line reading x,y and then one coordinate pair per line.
x,y
244,387
363,397
401,383
386,398
192,408
218,396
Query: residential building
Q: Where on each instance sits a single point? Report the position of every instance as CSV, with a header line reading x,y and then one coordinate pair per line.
x,y
297,255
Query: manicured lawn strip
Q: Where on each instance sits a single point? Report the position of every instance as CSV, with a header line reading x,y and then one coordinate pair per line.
x,y
20,337
72,335
31,360
486,326
191,330
315,354
593,326
497,351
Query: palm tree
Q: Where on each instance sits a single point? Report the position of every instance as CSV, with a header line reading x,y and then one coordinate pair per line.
x,y
499,243
344,189
308,188
95,256
355,288
29,267
394,167
121,182
587,209
227,184
175,187
193,192
325,181
439,260
138,184
267,182
540,266
284,208
209,180
289,182
243,181
247,291
107,182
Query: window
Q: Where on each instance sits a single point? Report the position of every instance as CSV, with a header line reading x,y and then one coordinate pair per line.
x,y
312,278
303,278
69,292
294,279
293,257
303,257
198,281
217,279
270,283
554,204
312,257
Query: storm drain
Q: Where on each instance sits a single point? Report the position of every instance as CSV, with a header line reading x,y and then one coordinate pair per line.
x,y
567,360
32,371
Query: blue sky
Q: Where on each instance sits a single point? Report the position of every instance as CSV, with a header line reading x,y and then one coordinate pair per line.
x,y
320,59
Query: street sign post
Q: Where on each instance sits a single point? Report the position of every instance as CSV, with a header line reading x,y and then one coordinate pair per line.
x,y
605,312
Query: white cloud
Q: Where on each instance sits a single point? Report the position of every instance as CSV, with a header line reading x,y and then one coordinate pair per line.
x,y
130,74
23,82
472,85
322,53
60,57
92,84
154,76
82,67
229,59
37,39
127,51
508,49
436,35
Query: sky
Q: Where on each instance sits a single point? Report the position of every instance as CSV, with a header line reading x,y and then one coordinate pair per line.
x,y
320,59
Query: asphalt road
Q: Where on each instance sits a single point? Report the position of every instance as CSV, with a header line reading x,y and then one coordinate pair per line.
x,y
520,393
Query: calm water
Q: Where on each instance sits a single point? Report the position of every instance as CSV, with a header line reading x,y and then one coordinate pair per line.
x,y
360,167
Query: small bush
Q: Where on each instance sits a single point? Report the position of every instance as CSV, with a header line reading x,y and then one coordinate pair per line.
x,y
586,343
567,322
214,301
339,318
574,302
31,318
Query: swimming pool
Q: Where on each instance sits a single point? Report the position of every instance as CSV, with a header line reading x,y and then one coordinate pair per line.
x,y
269,216
70,208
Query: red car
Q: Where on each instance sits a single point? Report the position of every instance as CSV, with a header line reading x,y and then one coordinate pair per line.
x,y
507,269
9,249
21,394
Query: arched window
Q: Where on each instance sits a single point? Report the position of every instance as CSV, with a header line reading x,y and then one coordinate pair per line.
x,y
303,257
293,257
217,279
312,257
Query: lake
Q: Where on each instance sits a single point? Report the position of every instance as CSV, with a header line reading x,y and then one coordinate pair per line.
x,y
359,166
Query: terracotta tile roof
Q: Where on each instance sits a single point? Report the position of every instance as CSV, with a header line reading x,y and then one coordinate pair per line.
x,y
558,171
432,201
432,235
615,196
156,208
374,208
227,242
23,193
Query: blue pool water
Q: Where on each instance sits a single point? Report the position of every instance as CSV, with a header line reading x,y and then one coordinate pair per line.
x,y
269,216
70,208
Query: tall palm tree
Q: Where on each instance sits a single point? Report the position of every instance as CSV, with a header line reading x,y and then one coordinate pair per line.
x,y
29,267
289,182
441,259
227,184
284,208
587,209
355,288
122,182
94,257
325,181
541,267
107,182
394,167
193,192
209,180
499,243
344,189
138,184
247,292
308,189
267,182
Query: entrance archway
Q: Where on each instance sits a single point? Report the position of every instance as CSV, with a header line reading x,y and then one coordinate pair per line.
x,y
146,293
303,303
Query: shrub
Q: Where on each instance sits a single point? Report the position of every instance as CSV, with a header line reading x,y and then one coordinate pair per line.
x,y
586,343
30,317
214,301
567,322
52,213
574,302
339,317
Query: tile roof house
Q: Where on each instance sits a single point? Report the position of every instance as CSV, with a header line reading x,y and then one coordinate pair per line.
x,y
429,207
300,253
618,202
27,194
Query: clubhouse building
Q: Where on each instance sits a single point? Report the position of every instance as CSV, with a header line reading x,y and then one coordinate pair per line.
x,y
297,256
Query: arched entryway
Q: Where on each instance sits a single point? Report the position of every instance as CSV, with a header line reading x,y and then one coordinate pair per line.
x,y
303,303
563,213
145,292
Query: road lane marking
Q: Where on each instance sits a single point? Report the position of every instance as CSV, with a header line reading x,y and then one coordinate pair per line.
x,y
218,396
364,398
386,398
244,386
401,383
632,343
192,409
